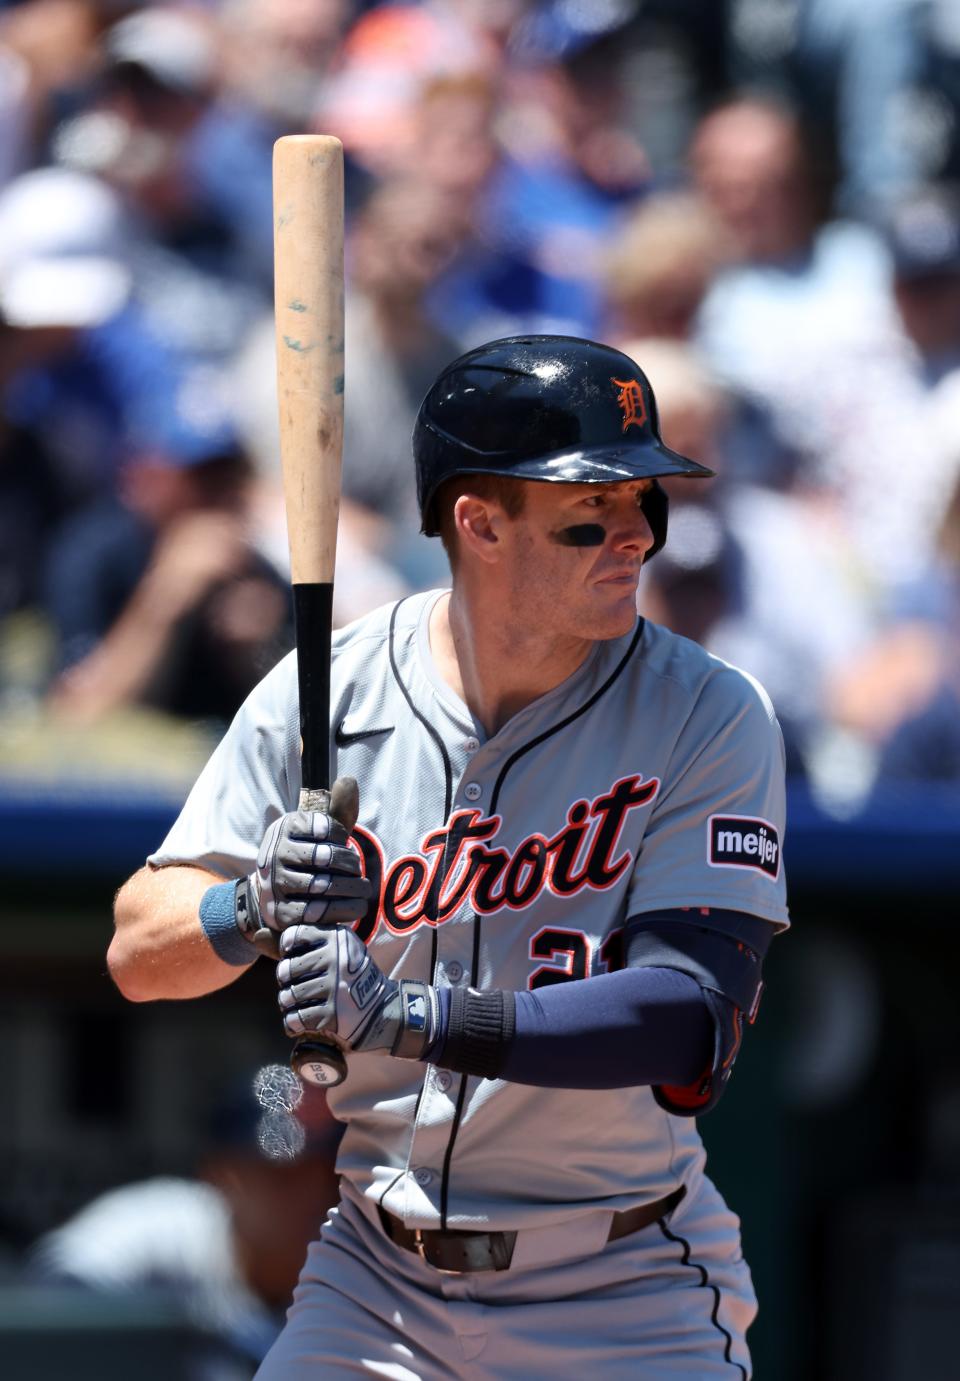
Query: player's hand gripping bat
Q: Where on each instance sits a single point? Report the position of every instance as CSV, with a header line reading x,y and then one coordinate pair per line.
x,y
308,307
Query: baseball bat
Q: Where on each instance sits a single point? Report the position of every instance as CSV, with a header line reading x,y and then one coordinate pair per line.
x,y
308,311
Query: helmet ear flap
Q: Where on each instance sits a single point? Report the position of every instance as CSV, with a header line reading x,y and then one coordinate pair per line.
x,y
655,506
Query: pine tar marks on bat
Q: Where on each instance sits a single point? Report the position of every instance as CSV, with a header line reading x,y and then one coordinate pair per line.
x,y
461,864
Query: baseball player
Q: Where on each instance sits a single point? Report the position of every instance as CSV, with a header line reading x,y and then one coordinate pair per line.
x,y
539,943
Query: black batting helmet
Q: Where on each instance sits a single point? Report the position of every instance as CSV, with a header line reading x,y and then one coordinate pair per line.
x,y
544,408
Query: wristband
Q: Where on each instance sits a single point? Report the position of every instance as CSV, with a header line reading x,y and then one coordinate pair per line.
x,y
218,920
480,1029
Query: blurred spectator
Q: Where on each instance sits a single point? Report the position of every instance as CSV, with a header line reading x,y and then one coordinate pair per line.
x,y
489,287
750,163
657,270
573,166
901,695
157,74
158,596
276,57
805,325
227,1246
280,53
935,110
402,241
63,275
670,57
923,232
14,113
659,266
390,55
61,252
698,584
31,502
454,148
757,576
47,49
854,71
156,84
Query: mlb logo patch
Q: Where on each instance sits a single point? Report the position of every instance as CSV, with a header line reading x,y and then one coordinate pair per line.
x,y
416,1012
740,841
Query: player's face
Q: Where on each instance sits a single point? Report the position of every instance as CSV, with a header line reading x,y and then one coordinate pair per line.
x,y
576,552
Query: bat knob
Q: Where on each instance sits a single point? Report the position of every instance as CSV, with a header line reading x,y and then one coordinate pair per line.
x,y
318,1062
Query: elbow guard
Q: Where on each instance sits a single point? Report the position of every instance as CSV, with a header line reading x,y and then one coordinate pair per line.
x,y
729,973
693,1100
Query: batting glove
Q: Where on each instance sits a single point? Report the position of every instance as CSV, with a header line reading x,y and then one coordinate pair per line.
x,y
306,874
331,987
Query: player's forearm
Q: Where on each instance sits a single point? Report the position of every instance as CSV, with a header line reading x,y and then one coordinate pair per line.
x,y
640,1026
645,1025
159,948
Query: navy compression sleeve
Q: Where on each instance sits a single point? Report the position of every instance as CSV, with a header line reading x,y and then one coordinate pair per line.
x,y
615,1030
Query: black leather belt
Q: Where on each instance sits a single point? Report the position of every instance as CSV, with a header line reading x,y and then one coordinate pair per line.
x,y
455,1250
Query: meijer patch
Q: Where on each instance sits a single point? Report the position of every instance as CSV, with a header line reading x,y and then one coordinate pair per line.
x,y
739,841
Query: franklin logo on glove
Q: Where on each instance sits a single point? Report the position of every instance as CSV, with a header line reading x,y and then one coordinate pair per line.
x,y
365,986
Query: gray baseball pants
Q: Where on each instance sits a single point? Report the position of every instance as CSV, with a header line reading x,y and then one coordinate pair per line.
x,y
671,1302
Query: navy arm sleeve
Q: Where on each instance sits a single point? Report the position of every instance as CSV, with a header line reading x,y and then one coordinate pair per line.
x,y
672,1019
615,1030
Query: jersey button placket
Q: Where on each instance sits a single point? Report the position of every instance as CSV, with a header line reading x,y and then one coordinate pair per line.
x,y
473,791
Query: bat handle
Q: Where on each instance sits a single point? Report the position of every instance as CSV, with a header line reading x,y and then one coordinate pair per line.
x,y
313,1059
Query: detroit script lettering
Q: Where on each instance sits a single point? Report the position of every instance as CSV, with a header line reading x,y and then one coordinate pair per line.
x,y
461,862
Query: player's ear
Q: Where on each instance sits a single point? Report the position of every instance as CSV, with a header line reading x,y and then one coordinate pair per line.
x,y
477,521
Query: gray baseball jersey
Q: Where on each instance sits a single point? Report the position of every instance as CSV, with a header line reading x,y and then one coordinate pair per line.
x,y
652,778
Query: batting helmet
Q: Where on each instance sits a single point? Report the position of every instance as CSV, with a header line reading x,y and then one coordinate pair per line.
x,y
544,408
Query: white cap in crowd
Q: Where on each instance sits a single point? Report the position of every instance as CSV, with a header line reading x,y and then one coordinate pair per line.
x,y
61,251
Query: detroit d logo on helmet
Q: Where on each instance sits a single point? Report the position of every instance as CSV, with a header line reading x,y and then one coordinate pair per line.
x,y
630,398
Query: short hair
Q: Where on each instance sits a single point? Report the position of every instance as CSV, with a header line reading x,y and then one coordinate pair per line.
x,y
669,233
507,490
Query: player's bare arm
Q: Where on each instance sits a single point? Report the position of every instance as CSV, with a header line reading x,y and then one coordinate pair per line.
x,y
183,931
159,949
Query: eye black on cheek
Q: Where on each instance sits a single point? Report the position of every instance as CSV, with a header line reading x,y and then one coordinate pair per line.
x,y
580,535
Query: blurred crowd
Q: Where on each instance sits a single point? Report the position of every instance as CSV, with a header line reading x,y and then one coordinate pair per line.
x,y
218,1248
757,199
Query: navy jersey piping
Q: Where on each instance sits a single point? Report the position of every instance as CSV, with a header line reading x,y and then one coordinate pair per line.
x,y
707,1284
447,783
475,960
562,724
422,719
